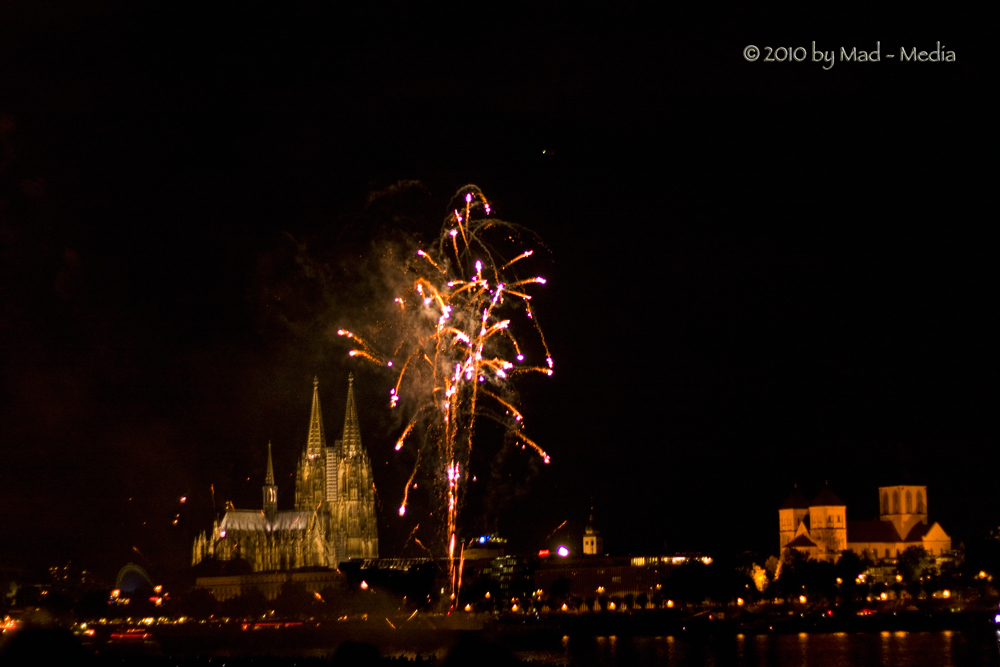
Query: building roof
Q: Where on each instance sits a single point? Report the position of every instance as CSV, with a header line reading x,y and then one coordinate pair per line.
x,y
250,520
795,501
884,531
827,498
801,542
872,531
917,533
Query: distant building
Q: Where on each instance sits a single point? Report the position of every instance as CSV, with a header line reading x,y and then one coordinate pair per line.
x,y
817,529
821,531
269,583
593,544
589,577
902,523
485,547
334,515
507,577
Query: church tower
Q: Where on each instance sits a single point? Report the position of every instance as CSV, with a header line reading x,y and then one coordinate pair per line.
x,y
828,525
593,545
351,487
792,513
270,490
905,506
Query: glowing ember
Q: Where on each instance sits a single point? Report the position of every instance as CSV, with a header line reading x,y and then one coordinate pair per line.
x,y
456,330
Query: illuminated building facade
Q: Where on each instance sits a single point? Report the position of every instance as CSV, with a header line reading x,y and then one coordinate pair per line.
x,y
818,529
334,515
821,531
506,577
593,544
902,523
598,576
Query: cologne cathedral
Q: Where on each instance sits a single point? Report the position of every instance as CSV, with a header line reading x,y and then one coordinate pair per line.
x,y
334,515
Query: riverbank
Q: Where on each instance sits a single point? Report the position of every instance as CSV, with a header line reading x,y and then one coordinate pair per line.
x,y
427,635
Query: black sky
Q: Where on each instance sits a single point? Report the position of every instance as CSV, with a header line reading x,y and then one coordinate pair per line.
x,y
760,273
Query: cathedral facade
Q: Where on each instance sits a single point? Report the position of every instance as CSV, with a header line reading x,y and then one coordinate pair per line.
x,y
820,529
334,516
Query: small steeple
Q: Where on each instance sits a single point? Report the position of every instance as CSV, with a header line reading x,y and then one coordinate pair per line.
x,y
593,544
352,429
269,480
270,489
317,438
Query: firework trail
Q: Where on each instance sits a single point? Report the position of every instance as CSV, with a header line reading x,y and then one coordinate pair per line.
x,y
457,352
556,530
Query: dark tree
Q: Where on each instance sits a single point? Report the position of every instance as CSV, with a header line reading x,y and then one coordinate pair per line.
x,y
473,592
817,580
293,601
92,604
848,569
912,564
198,603
251,604
333,600
559,591
688,583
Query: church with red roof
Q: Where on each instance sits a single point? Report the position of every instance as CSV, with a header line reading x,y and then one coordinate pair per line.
x,y
821,531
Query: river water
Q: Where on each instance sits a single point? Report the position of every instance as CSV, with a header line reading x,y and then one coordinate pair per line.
x,y
977,648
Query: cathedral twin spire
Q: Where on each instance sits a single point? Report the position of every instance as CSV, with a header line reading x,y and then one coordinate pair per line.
x,y
352,428
334,517
316,442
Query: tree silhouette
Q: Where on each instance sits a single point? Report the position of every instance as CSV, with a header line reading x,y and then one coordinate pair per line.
x,y
198,603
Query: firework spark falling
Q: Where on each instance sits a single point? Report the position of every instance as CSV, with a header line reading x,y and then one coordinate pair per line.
x,y
458,353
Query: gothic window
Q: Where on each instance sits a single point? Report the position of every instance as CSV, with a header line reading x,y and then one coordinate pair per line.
x,y
887,553
885,503
909,502
895,502
921,509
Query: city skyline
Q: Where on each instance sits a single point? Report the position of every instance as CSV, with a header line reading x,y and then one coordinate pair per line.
x,y
758,273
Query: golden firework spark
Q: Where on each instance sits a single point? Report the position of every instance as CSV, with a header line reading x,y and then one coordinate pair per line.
x,y
459,318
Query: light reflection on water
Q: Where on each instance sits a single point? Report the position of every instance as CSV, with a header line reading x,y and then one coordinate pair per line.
x,y
841,649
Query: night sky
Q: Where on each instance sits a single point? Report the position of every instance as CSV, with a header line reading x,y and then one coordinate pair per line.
x,y
759,274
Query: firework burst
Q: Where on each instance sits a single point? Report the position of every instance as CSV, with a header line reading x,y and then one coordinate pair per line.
x,y
457,353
